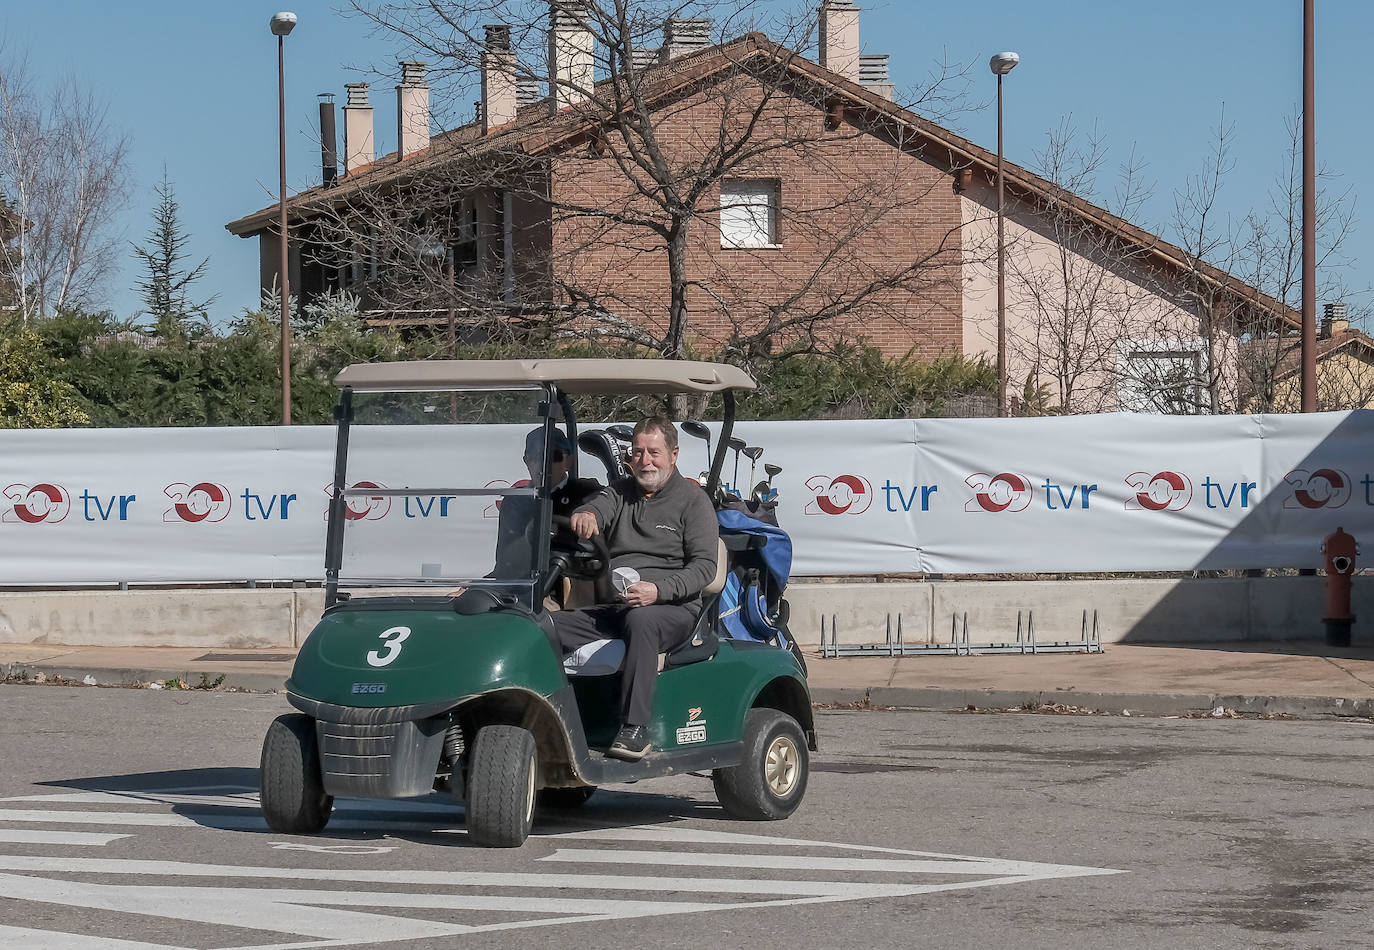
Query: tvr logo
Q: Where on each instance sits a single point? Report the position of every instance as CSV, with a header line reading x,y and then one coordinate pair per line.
x,y
1005,491
841,495
1323,488
37,504
203,501
1162,491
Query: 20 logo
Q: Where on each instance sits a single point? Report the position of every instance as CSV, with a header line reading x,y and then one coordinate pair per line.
x,y
363,507
1323,488
1162,491
841,495
43,503
1005,491
203,501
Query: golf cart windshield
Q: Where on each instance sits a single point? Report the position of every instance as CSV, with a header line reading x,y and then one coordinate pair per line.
x,y
442,490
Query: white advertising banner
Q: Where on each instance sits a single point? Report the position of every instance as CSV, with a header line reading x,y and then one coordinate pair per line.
x,y
1086,493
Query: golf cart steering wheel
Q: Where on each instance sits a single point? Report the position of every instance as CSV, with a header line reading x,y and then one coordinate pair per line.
x,y
590,556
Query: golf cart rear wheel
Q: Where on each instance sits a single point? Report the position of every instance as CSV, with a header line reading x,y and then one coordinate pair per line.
x,y
290,789
769,784
501,787
565,799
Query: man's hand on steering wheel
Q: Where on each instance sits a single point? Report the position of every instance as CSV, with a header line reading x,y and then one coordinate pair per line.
x,y
584,524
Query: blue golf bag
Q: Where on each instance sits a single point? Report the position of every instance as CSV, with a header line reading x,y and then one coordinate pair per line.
x,y
760,561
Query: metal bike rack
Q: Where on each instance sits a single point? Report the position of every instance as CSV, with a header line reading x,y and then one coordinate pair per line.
x,y
959,644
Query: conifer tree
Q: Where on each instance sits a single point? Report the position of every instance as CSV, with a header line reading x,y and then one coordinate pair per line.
x,y
166,282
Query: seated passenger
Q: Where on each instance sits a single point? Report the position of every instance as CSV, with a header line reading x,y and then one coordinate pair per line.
x,y
516,524
663,527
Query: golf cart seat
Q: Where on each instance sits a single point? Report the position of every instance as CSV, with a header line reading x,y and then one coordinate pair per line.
x,y
604,657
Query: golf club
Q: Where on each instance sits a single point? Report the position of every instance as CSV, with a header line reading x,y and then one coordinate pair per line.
x,y
772,470
738,446
760,493
753,451
698,430
624,433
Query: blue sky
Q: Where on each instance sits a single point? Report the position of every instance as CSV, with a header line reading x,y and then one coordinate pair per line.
x,y
194,86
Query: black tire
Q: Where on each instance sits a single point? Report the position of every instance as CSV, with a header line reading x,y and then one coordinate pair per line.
x,y
565,799
501,786
290,789
769,784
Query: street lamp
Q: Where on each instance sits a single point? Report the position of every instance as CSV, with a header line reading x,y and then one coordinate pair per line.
x,y
282,24
1001,64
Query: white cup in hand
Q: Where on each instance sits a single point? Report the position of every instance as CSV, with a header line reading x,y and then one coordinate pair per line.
x,y
622,579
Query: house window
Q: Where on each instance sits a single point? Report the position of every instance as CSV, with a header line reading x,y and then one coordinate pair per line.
x,y
1162,376
749,214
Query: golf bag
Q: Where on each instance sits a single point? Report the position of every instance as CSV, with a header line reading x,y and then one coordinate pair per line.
x,y
751,605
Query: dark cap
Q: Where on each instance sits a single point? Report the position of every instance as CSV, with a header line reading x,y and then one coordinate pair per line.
x,y
534,443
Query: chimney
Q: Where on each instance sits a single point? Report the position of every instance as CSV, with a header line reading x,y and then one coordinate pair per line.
x,y
874,77
500,91
357,127
329,140
570,53
527,92
644,58
839,38
682,36
412,110
1334,320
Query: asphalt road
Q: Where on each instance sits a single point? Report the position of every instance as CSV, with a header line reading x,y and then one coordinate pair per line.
x,y
128,819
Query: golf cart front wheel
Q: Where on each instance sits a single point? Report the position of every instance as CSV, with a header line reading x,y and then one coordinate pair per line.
x,y
501,787
290,789
769,784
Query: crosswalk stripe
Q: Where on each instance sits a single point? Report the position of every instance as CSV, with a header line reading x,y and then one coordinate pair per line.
x,y
25,836
601,882
56,940
214,820
991,867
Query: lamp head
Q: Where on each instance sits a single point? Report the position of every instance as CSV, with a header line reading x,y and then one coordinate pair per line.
x,y
283,23
1003,63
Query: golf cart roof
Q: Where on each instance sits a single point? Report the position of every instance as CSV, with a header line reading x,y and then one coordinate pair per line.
x,y
570,376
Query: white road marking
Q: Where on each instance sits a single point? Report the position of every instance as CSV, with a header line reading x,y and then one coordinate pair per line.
x,y
339,913
983,866
55,940
214,820
601,882
24,836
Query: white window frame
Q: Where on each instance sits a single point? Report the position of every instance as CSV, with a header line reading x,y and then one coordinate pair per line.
x,y
749,213
1135,394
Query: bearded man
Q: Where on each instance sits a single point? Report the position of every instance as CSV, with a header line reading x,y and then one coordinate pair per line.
x,y
662,527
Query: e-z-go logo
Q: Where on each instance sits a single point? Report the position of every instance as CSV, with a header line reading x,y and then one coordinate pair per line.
x,y
841,495
363,507
1323,488
203,501
37,504
1005,491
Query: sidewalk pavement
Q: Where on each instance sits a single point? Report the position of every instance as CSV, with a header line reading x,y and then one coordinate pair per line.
x,y
1301,678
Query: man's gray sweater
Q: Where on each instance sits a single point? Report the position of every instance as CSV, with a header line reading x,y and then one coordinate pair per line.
x,y
669,538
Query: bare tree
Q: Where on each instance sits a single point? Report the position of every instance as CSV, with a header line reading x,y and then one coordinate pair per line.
x,y
1077,288
623,194
63,174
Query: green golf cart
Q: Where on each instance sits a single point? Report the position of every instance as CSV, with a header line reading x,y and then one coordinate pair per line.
x,y
435,666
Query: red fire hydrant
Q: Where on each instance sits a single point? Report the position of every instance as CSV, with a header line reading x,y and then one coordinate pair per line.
x,y
1339,549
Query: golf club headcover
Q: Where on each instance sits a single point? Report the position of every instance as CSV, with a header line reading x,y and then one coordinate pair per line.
x,y
602,446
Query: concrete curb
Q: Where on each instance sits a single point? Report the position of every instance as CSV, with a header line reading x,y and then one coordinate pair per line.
x,y
1145,704
233,679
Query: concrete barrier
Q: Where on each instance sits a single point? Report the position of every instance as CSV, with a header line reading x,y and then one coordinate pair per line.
x,y
1144,610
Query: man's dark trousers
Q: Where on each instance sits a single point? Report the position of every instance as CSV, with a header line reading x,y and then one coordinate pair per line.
x,y
647,632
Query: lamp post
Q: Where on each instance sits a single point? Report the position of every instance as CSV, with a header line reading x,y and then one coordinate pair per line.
x,y
1309,211
1001,64
282,24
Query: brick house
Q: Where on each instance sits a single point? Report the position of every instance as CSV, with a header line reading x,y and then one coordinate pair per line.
x,y
847,216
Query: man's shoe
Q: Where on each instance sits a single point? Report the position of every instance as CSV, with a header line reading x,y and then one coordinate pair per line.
x,y
631,743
